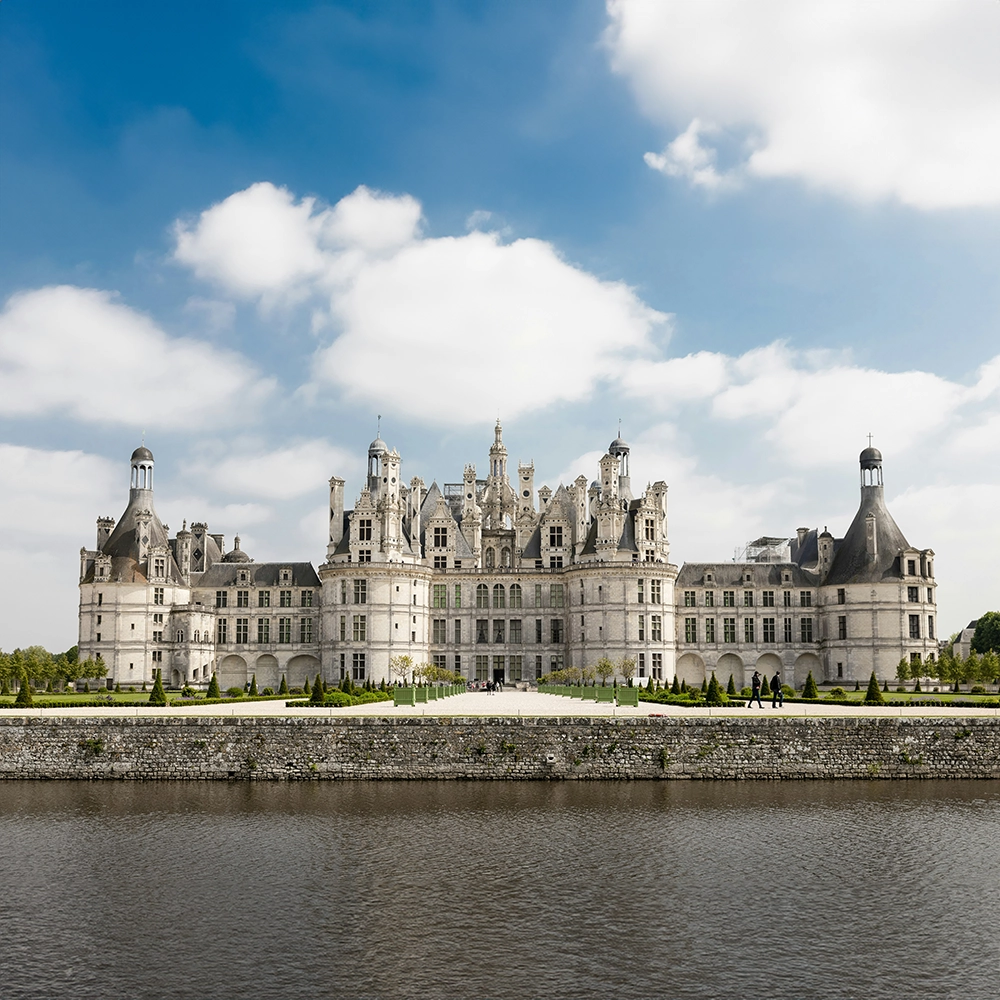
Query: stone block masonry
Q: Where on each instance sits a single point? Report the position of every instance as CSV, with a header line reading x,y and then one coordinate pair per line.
x,y
532,749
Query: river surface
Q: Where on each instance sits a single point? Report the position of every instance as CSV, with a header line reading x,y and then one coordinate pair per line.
x,y
576,889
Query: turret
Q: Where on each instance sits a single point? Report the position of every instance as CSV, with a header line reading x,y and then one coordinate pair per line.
x,y
336,515
141,485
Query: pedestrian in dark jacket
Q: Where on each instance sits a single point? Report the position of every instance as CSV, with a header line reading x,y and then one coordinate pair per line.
x,y
755,690
777,695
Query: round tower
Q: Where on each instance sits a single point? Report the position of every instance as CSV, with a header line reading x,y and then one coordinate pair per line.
x,y
142,472
871,468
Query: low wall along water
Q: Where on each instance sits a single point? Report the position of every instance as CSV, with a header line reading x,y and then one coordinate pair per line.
x,y
283,749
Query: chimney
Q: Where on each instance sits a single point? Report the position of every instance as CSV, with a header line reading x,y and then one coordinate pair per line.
x,y
871,537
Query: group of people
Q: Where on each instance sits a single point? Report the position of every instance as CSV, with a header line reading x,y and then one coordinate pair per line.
x,y
490,687
777,695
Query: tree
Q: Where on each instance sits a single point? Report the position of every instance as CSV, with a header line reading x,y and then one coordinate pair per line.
x,y
626,667
213,688
158,696
675,688
317,697
401,666
990,667
283,687
305,686
605,669
253,687
810,690
23,699
731,687
714,696
987,634
873,696
902,670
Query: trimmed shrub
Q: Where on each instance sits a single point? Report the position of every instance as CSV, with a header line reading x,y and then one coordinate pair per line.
x,y
917,689
253,692
234,692
857,685
873,696
86,688
885,687
213,688
158,696
305,687
23,699
731,687
810,691
838,693
675,688
704,687
268,691
283,687
317,697
714,695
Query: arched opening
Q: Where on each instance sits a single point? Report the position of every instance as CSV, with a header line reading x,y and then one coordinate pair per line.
x,y
232,672
730,663
299,668
805,663
505,557
499,596
769,664
176,678
266,669
490,558
691,668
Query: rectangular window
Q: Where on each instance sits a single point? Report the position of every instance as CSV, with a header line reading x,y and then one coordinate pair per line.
x,y
709,630
748,630
642,628
842,626
515,595
729,598
458,630
913,595
159,566
690,629
365,529
157,655
243,598
359,628
557,630
458,663
263,598
748,598
440,595
556,595
499,630
690,598
767,630
538,595
242,630
364,555
649,529
914,626
343,628
930,595
709,598
657,666
788,629
516,668
458,595
285,598
482,630
284,630
555,537
360,591
515,630
640,591
556,661
440,562
307,598
767,598
157,636
805,599
157,595
439,630
306,630
100,599
786,598
358,666
841,595
911,567
221,598
655,592
343,594
263,629
930,626
440,660
555,562
482,668
729,630
656,628
538,630
222,631
441,538
806,629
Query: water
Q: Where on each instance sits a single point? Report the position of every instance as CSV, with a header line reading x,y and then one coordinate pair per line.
x,y
499,890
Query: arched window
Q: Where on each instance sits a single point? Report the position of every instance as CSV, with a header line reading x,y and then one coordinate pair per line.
x,y
490,558
482,596
515,595
499,596
197,635
505,557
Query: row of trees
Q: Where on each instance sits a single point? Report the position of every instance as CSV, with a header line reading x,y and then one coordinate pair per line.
x,y
951,669
605,669
38,666
404,667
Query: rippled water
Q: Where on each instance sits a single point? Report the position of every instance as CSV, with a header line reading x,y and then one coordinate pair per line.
x,y
500,890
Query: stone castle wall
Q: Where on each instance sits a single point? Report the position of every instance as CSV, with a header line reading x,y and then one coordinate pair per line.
x,y
300,748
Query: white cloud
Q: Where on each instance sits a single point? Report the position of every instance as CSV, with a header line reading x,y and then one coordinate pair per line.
x,y
78,351
686,157
484,325
281,474
869,100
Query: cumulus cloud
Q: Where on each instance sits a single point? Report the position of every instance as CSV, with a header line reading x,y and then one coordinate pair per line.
x,y
80,352
429,327
280,474
887,100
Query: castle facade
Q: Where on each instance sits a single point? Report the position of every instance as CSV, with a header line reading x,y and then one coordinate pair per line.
x,y
492,579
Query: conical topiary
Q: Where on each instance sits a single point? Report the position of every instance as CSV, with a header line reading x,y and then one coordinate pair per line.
x,y
213,688
885,686
731,686
704,687
283,688
305,686
713,696
873,696
158,696
675,688
253,687
810,690
684,686
23,699
5,686
317,696
916,688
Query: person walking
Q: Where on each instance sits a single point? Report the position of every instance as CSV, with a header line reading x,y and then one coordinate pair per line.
x,y
777,695
755,690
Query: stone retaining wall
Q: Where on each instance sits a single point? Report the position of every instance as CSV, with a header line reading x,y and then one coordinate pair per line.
x,y
298,748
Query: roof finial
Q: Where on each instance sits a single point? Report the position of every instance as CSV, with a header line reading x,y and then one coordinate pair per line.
x,y
869,439
619,426
378,427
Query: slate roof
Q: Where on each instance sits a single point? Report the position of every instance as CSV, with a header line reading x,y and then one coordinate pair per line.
x,y
260,574
851,563
123,544
733,576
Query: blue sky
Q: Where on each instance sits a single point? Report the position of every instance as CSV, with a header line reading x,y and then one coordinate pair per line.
x,y
753,232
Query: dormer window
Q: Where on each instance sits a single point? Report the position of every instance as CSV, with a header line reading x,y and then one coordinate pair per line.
x,y
365,529
243,577
440,538
555,536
